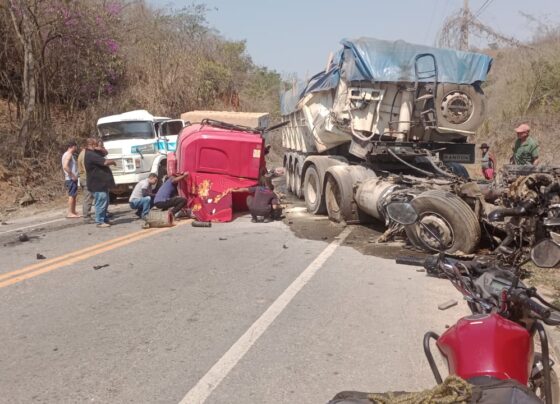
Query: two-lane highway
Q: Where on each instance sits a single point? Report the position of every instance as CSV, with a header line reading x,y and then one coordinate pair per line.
x,y
235,313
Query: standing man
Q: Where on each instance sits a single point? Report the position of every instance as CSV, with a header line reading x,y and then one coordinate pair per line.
x,y
70,169
525,148
87,196
141,197
99,181
166,197
488,163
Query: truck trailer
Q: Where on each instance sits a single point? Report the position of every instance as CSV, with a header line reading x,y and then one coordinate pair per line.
x,y
386,121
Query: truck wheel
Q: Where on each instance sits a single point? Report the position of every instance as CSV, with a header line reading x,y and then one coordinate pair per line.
x,y
338,197
112,197
448,216
298,190
161,173
460,106
290,177
313,193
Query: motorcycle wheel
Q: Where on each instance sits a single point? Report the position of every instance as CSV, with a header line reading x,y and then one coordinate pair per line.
x,y
537,384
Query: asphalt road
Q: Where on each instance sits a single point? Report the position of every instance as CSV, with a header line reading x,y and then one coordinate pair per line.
x,y
235,313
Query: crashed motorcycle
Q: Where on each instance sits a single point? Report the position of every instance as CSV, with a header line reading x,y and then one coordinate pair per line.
x,y
496,342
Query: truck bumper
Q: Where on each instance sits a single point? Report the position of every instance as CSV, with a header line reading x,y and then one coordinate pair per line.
x,y
125,183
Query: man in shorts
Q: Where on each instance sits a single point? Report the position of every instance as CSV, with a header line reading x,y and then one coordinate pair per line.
x,y
70,169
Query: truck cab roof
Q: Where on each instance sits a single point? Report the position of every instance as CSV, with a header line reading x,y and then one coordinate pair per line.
x,y
138,115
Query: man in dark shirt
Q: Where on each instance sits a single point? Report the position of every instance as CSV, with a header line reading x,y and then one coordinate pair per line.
x,y
166,197
263,203
99,181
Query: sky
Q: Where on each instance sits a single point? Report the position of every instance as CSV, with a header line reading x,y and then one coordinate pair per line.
x,y
296,36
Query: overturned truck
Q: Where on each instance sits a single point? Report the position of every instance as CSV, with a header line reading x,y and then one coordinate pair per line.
x,y
390,121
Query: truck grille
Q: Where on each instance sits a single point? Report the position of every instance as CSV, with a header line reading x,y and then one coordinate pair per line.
x,y
118,169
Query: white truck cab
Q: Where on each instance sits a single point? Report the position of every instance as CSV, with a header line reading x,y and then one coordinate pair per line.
x,y
139,143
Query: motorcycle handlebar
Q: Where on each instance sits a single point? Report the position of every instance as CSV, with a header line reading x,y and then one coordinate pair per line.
x,y
414,261
536,308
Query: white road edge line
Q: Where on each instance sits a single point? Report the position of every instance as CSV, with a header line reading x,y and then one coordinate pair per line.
x,y
33,225
208,383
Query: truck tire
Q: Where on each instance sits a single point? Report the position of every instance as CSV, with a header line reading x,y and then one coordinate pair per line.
x,y
450,217
161,173
313,192
460,106
298,189
338,197
289,178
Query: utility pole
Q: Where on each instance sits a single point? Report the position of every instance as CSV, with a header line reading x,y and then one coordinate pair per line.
x,y
465,21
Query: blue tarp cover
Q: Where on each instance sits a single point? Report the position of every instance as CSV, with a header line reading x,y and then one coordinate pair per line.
x,y
368,59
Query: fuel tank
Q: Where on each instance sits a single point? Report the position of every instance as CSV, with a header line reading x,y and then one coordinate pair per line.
x,y
488,345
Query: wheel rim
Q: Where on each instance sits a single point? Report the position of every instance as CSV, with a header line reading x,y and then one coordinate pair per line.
x,y
457,107
439,226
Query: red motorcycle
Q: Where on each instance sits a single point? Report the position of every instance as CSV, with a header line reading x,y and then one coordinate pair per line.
x,y
496,342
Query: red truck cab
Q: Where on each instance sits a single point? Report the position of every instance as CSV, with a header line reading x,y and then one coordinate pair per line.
x,y
218,156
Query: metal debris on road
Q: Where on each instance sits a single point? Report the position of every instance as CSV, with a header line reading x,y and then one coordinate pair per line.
x,y
96,267
285,246
41,256
23,237
222,238
446,305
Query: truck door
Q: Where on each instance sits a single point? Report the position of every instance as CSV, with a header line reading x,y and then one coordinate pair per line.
x,y
168,132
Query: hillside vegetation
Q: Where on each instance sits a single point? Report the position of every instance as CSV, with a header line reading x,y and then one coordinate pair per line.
x,y
65,63
524,86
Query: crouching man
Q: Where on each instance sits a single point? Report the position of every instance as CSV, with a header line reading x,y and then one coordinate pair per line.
x,y
263,203
141,197
166,197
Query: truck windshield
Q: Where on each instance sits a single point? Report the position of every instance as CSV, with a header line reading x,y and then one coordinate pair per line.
x,y
126,130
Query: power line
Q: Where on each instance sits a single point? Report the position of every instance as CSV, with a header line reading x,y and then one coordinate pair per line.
x,y
483,8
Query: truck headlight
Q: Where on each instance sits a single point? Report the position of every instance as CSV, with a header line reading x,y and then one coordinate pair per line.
x,y
144,149
137,163
129,164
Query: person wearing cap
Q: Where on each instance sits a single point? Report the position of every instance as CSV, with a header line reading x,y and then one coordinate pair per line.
x,y
488,163
525,148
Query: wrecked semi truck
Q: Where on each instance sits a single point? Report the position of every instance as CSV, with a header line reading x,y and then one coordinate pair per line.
x,y
385,121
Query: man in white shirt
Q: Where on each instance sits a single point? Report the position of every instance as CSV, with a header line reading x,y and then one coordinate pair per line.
x,y
141,197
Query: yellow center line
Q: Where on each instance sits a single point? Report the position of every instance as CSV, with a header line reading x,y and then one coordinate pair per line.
x,y
32,271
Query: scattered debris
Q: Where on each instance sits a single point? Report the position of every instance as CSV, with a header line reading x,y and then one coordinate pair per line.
x,y
446,305
222,238
421,270
23,237
3,223
96,267
290,222
285,246
324,238
197,223
41,256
